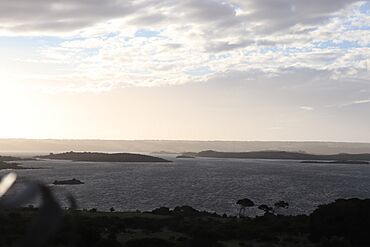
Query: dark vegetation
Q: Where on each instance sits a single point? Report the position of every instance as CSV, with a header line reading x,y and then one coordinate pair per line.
x,y
102,157
343,157
338,224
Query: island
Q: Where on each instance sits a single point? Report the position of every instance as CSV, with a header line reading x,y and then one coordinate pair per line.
x,y
185,157
345,162
285,155
102,157
190,154
164,153
72,181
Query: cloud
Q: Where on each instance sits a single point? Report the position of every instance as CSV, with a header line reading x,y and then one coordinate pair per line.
x,y
277,15
59,16
154,43
71,15
357,102
362,101
306,108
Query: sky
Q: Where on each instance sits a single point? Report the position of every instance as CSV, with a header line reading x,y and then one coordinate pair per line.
x,y
189,70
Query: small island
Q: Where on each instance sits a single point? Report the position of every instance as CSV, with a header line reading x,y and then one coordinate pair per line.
x,y
164,153
185,157
72,181
345,162
102,157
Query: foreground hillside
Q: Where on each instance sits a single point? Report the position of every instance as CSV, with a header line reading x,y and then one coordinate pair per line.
x,y
339,224
102,157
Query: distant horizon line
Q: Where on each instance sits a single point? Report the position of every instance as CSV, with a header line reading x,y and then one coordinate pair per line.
x,y
183,140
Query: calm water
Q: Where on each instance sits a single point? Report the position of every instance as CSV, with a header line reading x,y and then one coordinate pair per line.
x,y
206,184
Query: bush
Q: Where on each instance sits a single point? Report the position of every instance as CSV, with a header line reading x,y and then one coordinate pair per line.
x,y
349,219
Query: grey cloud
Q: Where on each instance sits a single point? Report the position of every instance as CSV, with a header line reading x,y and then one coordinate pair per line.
x,y
173,46
219,23
266,43
67,15
227,46
209,10
148,19
279,15
39,15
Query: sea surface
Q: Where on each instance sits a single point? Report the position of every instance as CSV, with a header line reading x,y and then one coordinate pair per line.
x,y
203,183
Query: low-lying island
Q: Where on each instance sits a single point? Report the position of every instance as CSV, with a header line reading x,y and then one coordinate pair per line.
x,y
102,157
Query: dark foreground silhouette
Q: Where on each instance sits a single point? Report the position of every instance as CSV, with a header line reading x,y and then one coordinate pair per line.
x,y
339,224
102,157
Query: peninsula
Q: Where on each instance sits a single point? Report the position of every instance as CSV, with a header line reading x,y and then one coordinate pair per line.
x,y
13,166
102,157
11,158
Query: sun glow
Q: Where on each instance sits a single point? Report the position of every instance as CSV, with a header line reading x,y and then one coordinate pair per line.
x,y
18,110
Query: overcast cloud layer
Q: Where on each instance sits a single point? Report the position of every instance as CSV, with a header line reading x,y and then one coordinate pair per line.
x,y
152,42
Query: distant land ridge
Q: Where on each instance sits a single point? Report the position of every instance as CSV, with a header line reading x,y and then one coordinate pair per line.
x,y
102,157
37,147
285,155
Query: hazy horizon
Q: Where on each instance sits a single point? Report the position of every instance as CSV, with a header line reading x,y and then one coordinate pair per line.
x,y
25,146
195,140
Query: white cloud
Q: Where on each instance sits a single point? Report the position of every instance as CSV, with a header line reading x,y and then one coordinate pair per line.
x,y
362,101
357,102
259,38
306,108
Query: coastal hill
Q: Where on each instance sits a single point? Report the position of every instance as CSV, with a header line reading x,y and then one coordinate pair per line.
x,y
284,155
102,157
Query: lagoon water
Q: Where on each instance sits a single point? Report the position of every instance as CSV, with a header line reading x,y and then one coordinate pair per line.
x,y
203,183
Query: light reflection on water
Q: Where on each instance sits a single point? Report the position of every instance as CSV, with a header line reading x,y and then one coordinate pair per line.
x,y
206,184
